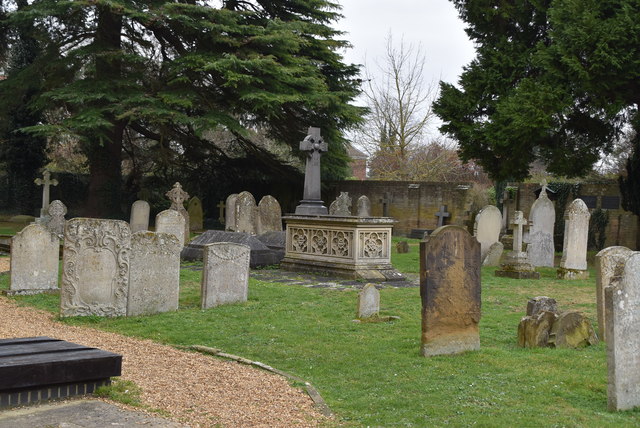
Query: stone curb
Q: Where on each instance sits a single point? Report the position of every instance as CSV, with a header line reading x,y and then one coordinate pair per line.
x,y
319,402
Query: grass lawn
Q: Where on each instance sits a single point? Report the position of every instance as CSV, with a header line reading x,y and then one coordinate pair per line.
x,y
371,374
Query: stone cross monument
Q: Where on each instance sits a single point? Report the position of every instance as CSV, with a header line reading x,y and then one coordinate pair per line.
x,y
314,145
45,182
519,222
177,196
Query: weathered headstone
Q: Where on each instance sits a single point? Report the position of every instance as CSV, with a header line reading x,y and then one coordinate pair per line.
x,y
494,255
246,213
177,196
225,275
230,213
95,268
572,329
450,291
542,218
311,203
402,247
171,221
139,219
516,263
607,260
46,181
574,251
533,330
57,211
442,214
364,206
622,321
368,302
269,215
154,275
487,227
541,304
34,261
194,209
341,206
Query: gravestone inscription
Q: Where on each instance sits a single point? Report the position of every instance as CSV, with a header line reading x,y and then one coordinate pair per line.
x,y
34,261
225,275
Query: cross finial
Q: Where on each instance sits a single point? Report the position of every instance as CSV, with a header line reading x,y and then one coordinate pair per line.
x,y
45,182
519,221
177,196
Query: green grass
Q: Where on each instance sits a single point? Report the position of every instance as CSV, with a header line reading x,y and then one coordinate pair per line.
x,y
371,374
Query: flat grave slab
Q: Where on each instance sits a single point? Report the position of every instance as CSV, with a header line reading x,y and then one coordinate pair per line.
x,y
35,369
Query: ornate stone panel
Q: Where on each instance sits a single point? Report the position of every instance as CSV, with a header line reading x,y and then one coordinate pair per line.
x,y
374,245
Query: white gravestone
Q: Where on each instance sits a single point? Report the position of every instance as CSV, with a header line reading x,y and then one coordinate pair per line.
x,y
139,219
171,221
364,206
607,260
57,211
622,314
34,261
95,268
154,279
246,213
368,302
542,218
225,274
487,227
574,252
230,213
269,215
177,196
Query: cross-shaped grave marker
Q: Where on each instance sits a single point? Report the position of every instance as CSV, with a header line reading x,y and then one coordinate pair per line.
x,y
519,221
221,206
314,145
386,200
442,214
46,182
177,196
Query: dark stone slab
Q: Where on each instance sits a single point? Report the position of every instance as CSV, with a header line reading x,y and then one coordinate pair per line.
x,y
418,233
261,254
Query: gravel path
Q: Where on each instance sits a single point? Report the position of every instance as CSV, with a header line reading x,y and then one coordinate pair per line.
x,y
193,388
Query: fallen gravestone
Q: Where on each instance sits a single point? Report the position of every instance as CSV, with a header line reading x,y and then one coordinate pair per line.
x,y
574,251
368,302
261,253
225,274
34,261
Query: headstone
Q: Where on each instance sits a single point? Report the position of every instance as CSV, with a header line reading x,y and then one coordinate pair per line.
x,y
230,213
487,227
311,203
542,218
494,255
194,209
541,304
139,219
267,249
95,268
368,302
341,206
171,221
34,261
442,214
607,260
402,247
46,181
450,291
516,263
225,275
177,196
246,213
622,321
572,329
57,211
269,215
533,330
574,252
154,275
364,206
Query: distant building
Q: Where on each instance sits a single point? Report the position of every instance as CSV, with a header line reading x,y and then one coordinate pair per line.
x,y
358,163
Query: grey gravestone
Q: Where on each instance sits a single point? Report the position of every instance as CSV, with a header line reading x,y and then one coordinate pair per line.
x,y
311,203
450,291
230,213
154,276
139,219
171,221
95,268
542,218
341,206
574,252
225,275
265,249
177,196
607,261
368,302
364,206
57,211
622,315
516,263
487,227
494,255
246,213
269,215
46,181
194,209
541,304
34,261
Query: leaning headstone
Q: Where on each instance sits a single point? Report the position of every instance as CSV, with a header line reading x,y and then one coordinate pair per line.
x,y
487,227
177,196
194,209
95,268
364,206
402,247
341,206
269,215
57,211
450,291
139,219
368,302
516,263
34,261
154,276
225,275
574,251
171,221
622,315
494,255
572,329
246,213
542,218
230,213
607,260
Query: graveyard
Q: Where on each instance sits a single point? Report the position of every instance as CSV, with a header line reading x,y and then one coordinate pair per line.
x,y
371,373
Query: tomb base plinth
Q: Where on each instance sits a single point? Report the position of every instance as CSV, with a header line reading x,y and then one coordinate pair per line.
x,y
517,266
347,247
564,273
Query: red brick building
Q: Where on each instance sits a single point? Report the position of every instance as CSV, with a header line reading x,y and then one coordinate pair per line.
x,y
358,163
